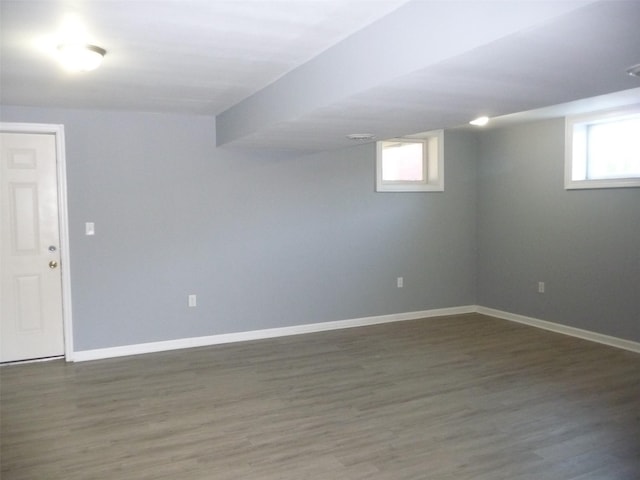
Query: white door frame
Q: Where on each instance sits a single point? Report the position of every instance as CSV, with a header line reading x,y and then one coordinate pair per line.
x,y
63,219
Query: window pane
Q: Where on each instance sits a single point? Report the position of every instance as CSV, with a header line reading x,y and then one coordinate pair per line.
x,y
402,161
614,149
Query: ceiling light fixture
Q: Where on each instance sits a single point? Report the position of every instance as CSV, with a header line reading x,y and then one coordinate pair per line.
x,y
634,71
480,121
361,136
77,57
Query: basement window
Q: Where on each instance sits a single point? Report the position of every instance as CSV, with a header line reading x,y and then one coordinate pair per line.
x,y
410,164
603,149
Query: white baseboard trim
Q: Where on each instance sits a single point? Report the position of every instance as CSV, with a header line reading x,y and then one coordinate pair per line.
x,y
564,329
141,348
137,349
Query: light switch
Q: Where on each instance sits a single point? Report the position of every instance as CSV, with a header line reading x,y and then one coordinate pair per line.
x,y
89,228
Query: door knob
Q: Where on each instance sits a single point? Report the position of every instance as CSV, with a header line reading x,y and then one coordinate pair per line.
x,y
53,264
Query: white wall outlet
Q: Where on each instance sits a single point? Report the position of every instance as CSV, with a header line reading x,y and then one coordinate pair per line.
x,y
540,287
89,228
193,302
400,282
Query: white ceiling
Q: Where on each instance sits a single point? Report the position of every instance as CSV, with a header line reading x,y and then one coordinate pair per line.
x,y
193,56
301,74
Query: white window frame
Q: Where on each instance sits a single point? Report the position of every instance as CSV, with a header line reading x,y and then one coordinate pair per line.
x,y
433,165
575,176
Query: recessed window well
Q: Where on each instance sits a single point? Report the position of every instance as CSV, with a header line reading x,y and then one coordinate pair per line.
x,y
603,149
411,164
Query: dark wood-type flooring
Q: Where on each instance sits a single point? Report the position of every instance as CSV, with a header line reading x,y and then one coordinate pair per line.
x,y
452,398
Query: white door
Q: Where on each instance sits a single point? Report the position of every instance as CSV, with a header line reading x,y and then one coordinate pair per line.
x,y
31,321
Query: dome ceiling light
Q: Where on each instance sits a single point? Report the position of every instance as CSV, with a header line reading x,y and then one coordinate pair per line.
x,y
76,57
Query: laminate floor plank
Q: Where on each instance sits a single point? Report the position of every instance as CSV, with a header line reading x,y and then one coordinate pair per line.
x,y
461,397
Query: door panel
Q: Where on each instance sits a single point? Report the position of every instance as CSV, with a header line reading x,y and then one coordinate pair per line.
x,y
23,203
29,299
31,322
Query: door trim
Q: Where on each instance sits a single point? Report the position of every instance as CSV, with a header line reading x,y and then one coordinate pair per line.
x,y
63,219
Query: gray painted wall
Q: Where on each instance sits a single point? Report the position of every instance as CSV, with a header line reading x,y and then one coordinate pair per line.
x,y
271,241
585,244
264,241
